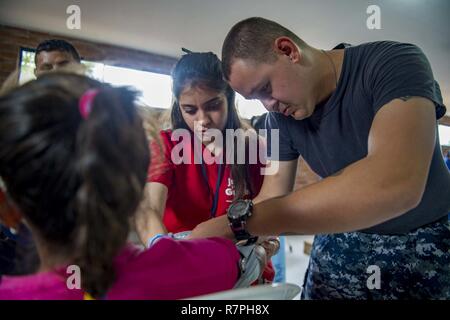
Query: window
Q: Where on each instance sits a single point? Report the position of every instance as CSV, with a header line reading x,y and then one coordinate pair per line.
x,y
444,135
249,108
26,65
155,88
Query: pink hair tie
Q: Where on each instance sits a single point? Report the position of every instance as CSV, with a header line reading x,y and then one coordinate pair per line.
x,y
85,102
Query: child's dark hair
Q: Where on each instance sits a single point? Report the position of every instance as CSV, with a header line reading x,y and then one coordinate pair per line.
x,y
76,181
204,69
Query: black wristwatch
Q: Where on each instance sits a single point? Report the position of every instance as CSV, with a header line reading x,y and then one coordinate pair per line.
x,y
238,213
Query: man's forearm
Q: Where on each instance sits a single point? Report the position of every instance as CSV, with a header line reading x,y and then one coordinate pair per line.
x,y
279,184
363,195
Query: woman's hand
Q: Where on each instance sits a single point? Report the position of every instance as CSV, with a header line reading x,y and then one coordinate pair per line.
x,y
270,244
265,249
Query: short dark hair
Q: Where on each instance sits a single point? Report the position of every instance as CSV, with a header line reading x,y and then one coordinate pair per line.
x,y
57,45
253,38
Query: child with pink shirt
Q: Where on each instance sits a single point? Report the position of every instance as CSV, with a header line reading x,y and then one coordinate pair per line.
x,y
73,161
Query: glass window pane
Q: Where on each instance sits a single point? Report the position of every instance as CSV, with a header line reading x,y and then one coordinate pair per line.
x,y
26,66
444,135
155,87
249,108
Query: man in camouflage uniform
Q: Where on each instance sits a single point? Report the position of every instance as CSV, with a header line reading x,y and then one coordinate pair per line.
x,y
358,265
364,118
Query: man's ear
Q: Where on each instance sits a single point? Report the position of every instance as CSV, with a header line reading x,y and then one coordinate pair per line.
x,y
285,46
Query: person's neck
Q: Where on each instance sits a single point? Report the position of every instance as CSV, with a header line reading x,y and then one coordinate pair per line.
x,y
51,256
329,65
53,261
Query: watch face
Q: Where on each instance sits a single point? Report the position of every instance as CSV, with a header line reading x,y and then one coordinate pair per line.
x,y
238,209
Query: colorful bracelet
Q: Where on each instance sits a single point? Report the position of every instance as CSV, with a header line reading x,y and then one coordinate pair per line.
x,y
151,241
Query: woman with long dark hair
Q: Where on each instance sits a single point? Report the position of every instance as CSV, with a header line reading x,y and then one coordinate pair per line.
x,y
189,190
185,187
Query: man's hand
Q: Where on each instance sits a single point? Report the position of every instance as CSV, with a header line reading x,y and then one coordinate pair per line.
x,y
217,227
279,184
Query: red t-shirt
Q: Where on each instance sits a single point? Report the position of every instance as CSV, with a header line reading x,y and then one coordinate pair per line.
x,y
190,196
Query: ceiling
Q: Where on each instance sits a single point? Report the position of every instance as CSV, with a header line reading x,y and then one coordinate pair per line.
x,y
164,26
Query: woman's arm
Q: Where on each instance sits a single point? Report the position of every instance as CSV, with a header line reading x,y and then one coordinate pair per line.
x,y
148,218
